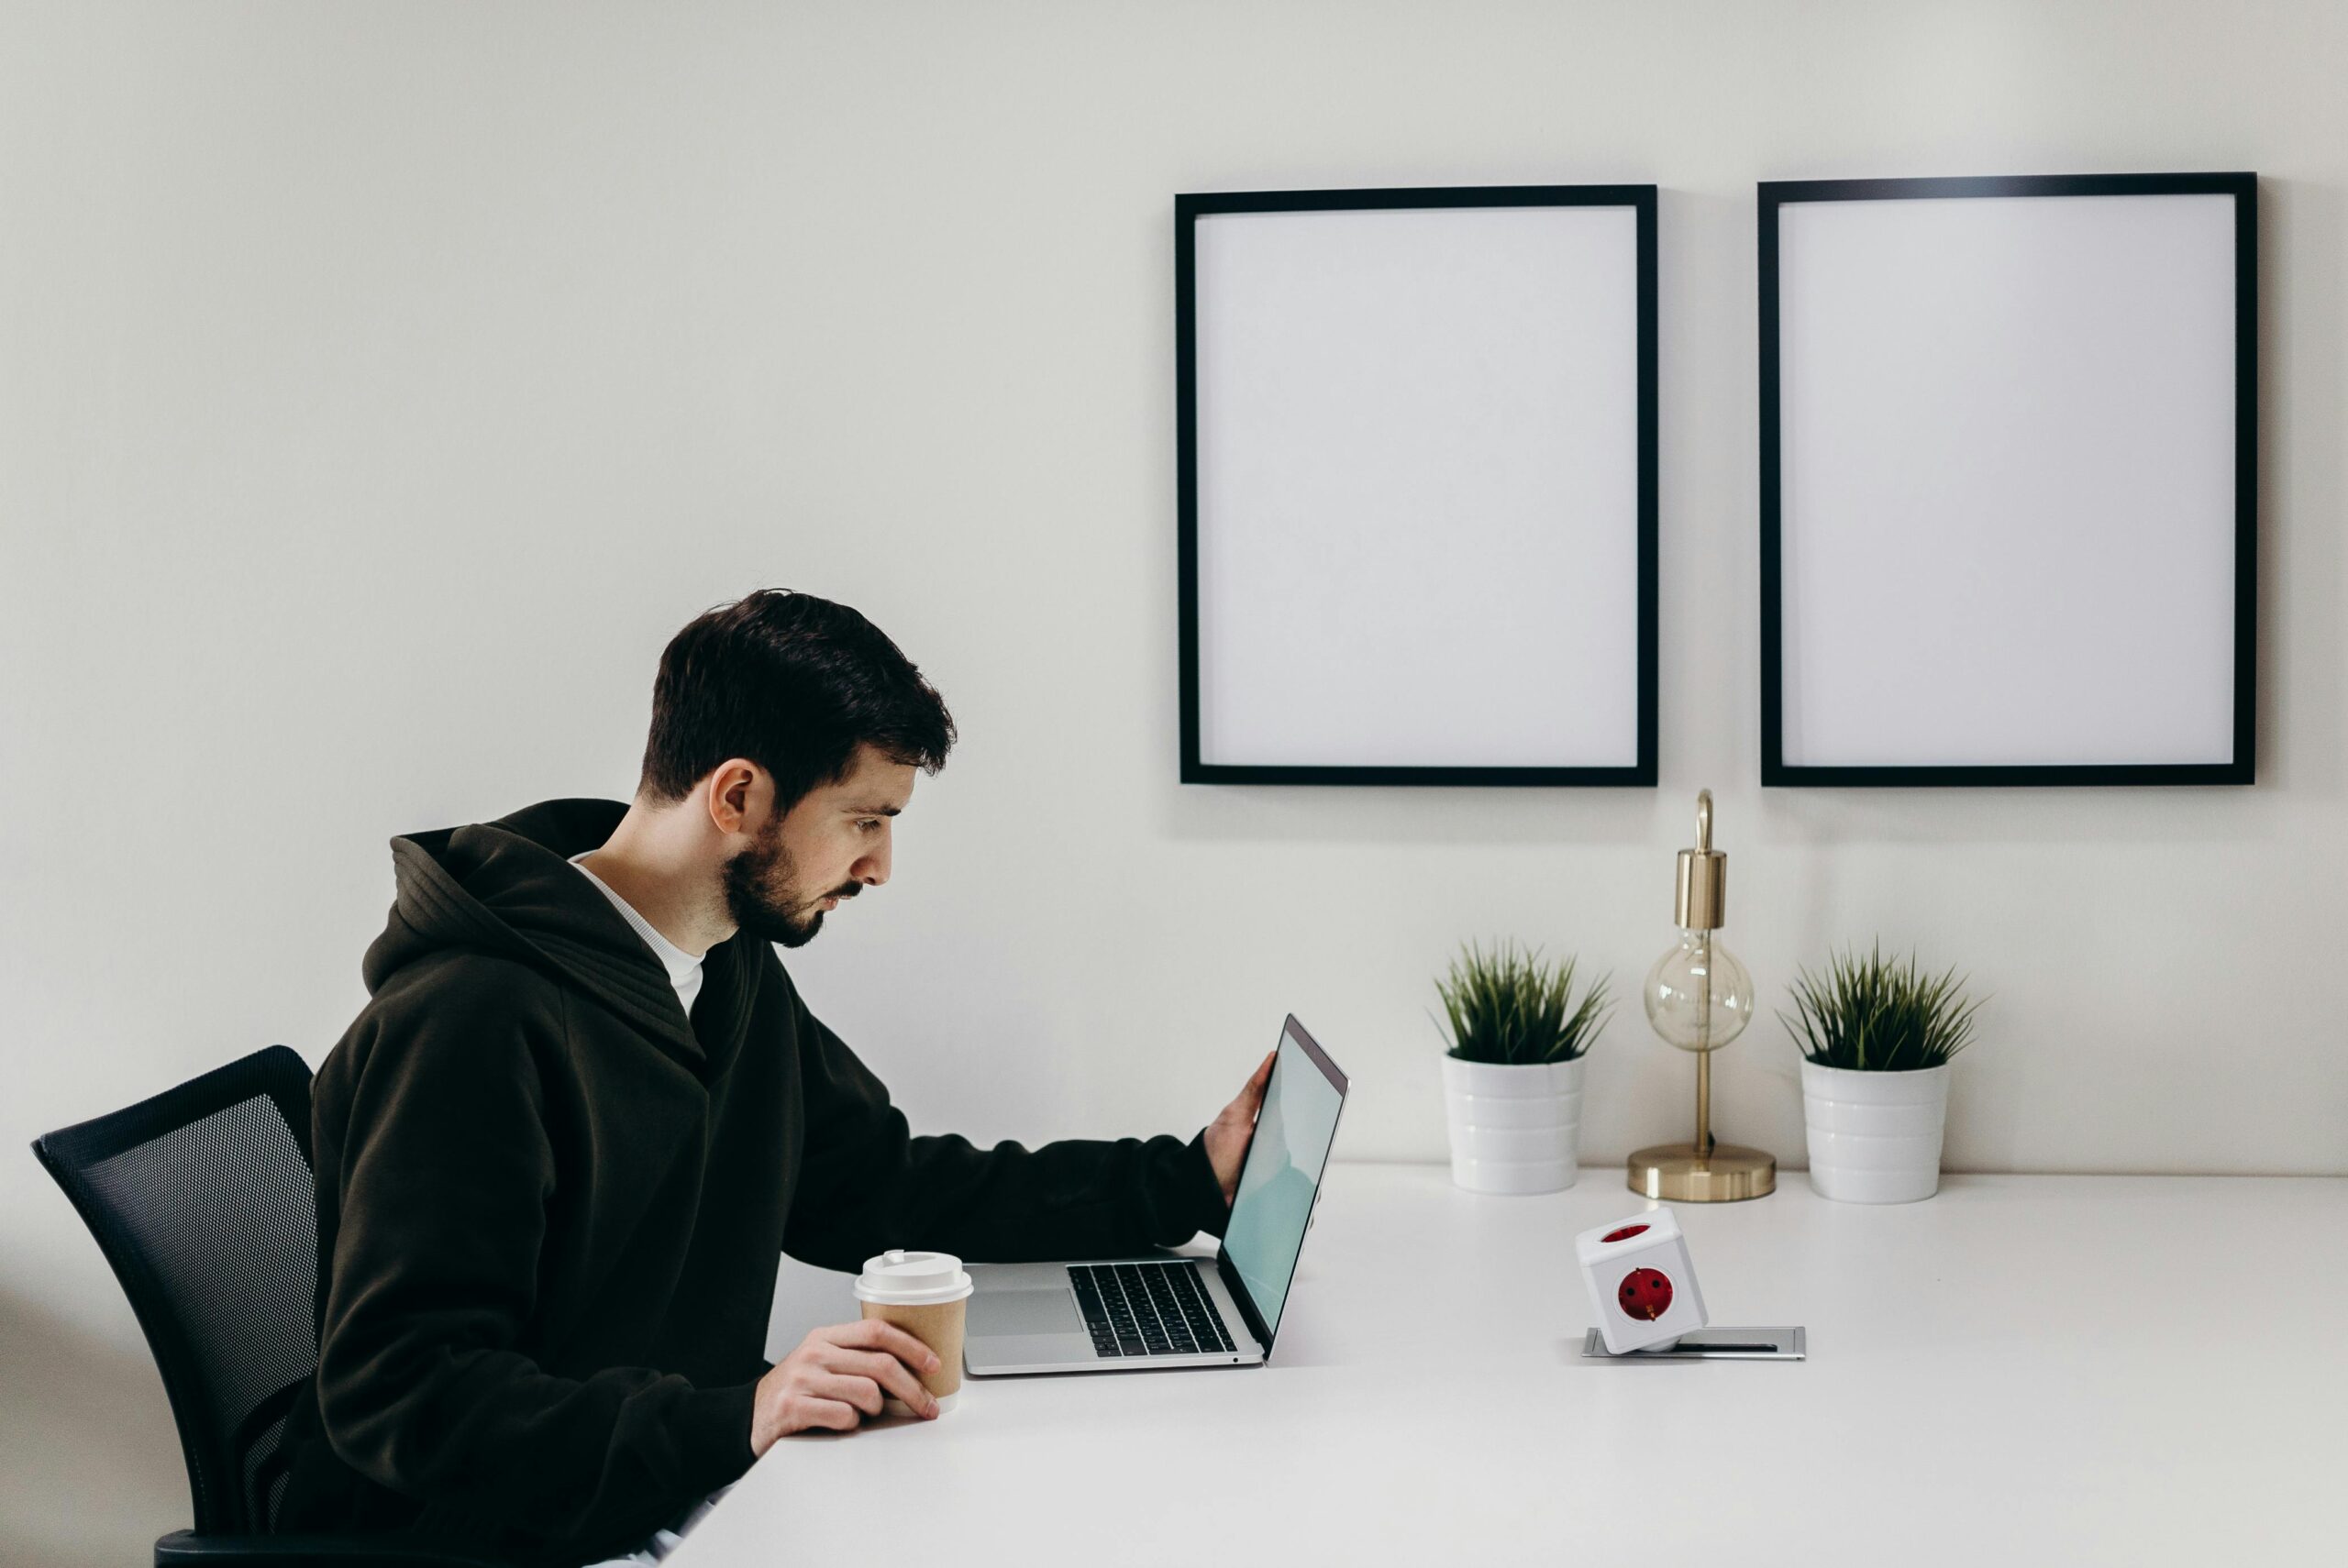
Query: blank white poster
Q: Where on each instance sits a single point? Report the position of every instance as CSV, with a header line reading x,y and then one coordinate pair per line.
x,y
2008,503
1418,487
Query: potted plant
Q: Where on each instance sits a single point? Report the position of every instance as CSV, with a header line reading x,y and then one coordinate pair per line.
x,y
1876,1038
1511,1078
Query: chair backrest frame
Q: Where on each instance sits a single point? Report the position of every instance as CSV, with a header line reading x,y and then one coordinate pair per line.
x,y
279,1075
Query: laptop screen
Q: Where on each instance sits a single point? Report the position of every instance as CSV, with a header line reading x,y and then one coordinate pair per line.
x,y
1282,1172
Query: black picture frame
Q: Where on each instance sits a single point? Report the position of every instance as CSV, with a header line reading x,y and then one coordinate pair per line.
x,y
2237,769
1188,210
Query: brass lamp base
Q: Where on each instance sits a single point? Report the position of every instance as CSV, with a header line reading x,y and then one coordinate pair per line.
x,y
1728,1173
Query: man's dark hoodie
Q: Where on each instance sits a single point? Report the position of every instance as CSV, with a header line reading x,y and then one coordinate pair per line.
x,y
551,1206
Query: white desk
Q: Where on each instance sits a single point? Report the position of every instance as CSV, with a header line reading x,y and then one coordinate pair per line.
x,y
2023,1370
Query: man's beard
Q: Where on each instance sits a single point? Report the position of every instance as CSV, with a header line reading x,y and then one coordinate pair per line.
x,y
787,920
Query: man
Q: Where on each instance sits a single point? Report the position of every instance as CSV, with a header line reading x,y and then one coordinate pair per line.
x,y
560,1151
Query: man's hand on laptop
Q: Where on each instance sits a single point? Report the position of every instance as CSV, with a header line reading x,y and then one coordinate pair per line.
x,y
1228,1134
837,1377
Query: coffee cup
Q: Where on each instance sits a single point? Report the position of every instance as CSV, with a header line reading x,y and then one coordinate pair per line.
x,y
927,1295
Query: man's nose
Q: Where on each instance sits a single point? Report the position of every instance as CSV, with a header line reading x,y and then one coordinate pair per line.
x,y
873,869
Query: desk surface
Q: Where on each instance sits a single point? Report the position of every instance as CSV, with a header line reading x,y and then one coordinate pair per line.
x,y
2023,1370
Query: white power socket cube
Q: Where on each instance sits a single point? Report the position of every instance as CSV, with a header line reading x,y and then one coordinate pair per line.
x,y
1641,1282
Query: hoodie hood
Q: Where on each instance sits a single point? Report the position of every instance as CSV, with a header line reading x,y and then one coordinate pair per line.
x,y
507,887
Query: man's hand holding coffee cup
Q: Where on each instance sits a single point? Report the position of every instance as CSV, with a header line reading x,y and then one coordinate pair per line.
x,y
838,1376
1228,1133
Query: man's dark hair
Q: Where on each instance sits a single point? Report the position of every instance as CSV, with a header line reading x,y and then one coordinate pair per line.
x,y
793,683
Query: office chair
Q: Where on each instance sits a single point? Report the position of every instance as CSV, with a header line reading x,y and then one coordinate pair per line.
x,y
201,1199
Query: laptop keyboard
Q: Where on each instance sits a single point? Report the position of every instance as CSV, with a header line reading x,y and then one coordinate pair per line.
x,y
1147,1308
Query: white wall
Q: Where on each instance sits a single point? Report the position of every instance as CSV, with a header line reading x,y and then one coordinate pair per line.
x,y
380,386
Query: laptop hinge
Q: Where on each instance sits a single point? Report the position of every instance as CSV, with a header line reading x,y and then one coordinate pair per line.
x,y
1232,1283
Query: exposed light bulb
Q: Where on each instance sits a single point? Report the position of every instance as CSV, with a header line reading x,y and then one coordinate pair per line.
x,y
1699,997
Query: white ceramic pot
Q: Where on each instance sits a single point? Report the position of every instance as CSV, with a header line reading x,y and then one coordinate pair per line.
x,y
1875,1137
1513,1129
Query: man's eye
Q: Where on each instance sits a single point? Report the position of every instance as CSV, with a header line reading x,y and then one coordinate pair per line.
x,y
869,823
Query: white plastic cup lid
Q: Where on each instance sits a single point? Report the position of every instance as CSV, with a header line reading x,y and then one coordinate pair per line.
x,y
899,1278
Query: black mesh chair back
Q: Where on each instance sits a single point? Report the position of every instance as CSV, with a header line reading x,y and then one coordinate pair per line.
x,y
202,1200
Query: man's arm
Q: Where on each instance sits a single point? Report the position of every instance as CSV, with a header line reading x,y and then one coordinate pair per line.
x,y
867,1184
444,1174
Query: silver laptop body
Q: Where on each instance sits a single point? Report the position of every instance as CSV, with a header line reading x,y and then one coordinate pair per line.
x,y
1025,1318
1115,1316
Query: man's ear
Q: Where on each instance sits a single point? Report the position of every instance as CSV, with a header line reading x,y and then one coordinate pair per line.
x,y
740,794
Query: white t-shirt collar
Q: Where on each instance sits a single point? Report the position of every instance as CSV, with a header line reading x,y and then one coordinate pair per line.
x,y
683,968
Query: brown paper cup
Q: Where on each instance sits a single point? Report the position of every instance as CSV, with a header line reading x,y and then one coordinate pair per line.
x,y
937,1325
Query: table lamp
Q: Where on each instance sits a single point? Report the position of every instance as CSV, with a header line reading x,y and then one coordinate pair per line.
x,y
1700,997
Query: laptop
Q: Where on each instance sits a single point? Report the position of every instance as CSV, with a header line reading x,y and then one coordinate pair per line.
x,y
1159,1313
